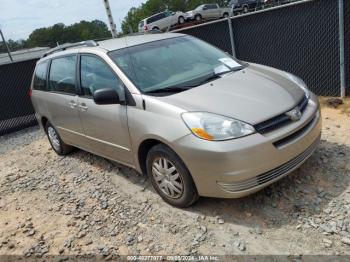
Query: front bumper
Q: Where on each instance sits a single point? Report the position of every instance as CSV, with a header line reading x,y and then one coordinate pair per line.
x,y
239,167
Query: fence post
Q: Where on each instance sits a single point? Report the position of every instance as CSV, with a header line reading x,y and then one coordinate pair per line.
x,y
232,40
341,48
7,47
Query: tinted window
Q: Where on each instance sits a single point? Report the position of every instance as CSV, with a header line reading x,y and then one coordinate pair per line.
x,y
62,75
141,24
95,74
40,76
213,6
152,19
156,18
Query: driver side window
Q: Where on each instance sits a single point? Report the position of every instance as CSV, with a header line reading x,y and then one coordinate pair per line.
x,y
95,74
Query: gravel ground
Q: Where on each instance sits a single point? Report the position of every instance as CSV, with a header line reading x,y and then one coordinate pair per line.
x,y
84,204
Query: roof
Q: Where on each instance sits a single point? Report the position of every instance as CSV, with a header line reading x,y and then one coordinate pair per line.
x,y
22,55
127,41
111,44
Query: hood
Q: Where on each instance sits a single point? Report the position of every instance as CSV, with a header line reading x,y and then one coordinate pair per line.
x,y
252,95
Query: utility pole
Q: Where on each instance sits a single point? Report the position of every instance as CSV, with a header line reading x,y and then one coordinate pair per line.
x,y
110,19
5,43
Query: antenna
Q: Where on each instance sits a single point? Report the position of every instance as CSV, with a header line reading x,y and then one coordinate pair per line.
x,y
110,18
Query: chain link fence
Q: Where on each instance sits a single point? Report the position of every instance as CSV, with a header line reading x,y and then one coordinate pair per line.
x,y
16,111
302,39
347,44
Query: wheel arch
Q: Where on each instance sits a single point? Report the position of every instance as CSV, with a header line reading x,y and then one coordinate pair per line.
x,y
43,121
143,148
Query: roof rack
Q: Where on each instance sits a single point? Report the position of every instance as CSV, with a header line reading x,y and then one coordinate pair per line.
x,y
152,31
88,43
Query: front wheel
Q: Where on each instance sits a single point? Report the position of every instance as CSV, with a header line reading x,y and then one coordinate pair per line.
x,y
170,177
198,18
226,15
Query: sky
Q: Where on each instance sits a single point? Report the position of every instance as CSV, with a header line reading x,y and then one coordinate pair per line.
x,y
18,18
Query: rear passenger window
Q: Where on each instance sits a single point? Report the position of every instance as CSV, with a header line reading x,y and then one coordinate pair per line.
x,y
62,75
40,76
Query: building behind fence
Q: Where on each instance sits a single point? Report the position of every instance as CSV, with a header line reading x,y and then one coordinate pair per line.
x,y
302,39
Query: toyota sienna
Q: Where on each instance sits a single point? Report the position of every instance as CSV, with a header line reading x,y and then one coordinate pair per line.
x,y
197,121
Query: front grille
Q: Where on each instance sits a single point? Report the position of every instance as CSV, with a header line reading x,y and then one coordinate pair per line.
x,y
280,120
235,187
294,135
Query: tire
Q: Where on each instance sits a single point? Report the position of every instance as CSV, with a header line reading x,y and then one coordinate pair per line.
x,y
198,17
156,28
171,192
245,9
56,142
181,20
226,15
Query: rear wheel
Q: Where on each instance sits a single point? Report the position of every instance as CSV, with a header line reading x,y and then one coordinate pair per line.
x,y
155,28
55,140
181,20
245,9
170,177
226,15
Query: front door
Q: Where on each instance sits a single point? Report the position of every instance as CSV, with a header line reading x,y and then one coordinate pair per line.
x,y
105,126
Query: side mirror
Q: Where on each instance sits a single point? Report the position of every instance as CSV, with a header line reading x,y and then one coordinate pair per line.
x,y
106,96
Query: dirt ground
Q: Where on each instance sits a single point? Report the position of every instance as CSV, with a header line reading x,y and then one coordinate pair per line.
x,y
84,204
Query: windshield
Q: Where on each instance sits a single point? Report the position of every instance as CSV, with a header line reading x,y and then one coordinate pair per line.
x,y
174,62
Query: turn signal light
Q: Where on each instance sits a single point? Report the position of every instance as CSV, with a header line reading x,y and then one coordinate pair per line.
x,y
202,134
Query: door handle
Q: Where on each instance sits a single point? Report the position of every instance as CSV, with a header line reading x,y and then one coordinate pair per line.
x,y
83,107
72,104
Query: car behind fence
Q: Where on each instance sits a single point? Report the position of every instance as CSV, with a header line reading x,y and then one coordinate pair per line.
x,y
301,38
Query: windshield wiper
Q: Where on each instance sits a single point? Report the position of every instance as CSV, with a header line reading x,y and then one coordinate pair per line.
x,y
214,76
170,89
180,88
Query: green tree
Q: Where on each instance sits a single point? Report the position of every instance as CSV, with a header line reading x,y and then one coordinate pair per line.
x,y
59,33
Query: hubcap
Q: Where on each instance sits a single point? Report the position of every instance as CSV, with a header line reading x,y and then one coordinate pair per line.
x,y
167,177
53,138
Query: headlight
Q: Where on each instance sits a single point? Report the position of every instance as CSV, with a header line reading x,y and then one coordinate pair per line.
x,y
215,127
300,83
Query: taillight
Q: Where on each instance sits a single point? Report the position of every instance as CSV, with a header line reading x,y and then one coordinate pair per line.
x,y
30,92
145,28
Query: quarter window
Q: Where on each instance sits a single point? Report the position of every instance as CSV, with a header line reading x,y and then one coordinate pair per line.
x,y
62,75
40,76
96,74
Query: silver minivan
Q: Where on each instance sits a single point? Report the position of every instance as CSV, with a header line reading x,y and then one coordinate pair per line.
x,y
197,121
